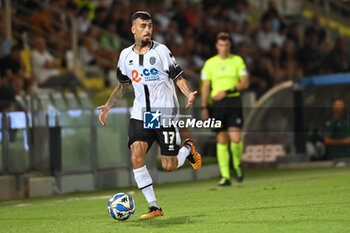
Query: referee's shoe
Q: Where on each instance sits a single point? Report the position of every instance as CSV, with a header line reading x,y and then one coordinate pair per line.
x,y
239,177
194,157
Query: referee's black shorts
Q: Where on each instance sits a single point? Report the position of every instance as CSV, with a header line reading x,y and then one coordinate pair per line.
x,y
229,111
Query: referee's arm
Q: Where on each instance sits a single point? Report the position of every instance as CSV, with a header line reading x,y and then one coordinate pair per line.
x,y
241,86
204,99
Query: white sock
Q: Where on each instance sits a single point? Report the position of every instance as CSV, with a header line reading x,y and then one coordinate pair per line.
x,y
182,155
145,183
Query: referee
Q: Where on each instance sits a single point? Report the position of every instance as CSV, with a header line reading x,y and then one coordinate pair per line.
x,y
224,76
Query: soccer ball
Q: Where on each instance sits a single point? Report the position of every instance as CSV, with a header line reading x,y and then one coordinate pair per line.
x,y
121,206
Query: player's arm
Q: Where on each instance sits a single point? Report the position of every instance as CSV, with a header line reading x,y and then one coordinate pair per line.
x,y
187,90
116,95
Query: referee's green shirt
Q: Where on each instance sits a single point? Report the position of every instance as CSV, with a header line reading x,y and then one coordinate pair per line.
x,y
224,74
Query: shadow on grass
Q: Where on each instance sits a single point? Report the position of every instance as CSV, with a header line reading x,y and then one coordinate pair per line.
x,y
165,221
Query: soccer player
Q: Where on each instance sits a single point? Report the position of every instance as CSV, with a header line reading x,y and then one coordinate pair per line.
x,y
226,75
153,72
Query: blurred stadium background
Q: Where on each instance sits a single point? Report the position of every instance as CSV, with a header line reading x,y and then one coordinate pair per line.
x,y
51,141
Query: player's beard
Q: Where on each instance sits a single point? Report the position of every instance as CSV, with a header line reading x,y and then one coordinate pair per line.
x,y
145,43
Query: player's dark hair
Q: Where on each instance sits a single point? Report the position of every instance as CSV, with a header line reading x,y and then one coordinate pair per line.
x,y
140,15
223,36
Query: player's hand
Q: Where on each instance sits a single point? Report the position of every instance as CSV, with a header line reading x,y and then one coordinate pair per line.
x,y
103,114
191,98
219,96
205,114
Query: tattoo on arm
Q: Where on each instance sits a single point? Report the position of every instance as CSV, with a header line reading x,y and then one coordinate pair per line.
x,y
184,86
117,93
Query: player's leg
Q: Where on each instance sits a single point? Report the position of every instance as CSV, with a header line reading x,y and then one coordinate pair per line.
x,y
223,157
140,140
172,157
142,177
194,157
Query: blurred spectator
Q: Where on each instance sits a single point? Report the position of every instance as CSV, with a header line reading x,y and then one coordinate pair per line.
x,y
338,57
309,56
7,93
289,62
13,68
111,40
71,10
158,34
239,13
247,32
162,16
173,35
92,53
197,59
53,22
236,33
273,16
179,52
243,51
83,20
105,3
265,37
281,36
181,14
277,71
294,35
337,137
7,89
193,25
261,78
100,17
46,70
316,29
5,42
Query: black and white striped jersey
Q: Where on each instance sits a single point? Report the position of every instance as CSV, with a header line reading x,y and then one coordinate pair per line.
x,y
152,75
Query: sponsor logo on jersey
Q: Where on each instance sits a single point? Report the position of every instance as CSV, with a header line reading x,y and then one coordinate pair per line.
x,y
131,62
146,74
151,120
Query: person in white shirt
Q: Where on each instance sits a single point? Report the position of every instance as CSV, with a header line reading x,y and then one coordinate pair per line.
x,y
153,72
46,70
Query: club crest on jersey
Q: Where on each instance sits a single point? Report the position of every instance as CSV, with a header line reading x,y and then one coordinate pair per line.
x,y
131,62
152,60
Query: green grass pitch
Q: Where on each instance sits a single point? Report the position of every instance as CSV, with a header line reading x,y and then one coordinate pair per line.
x,y
270,200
